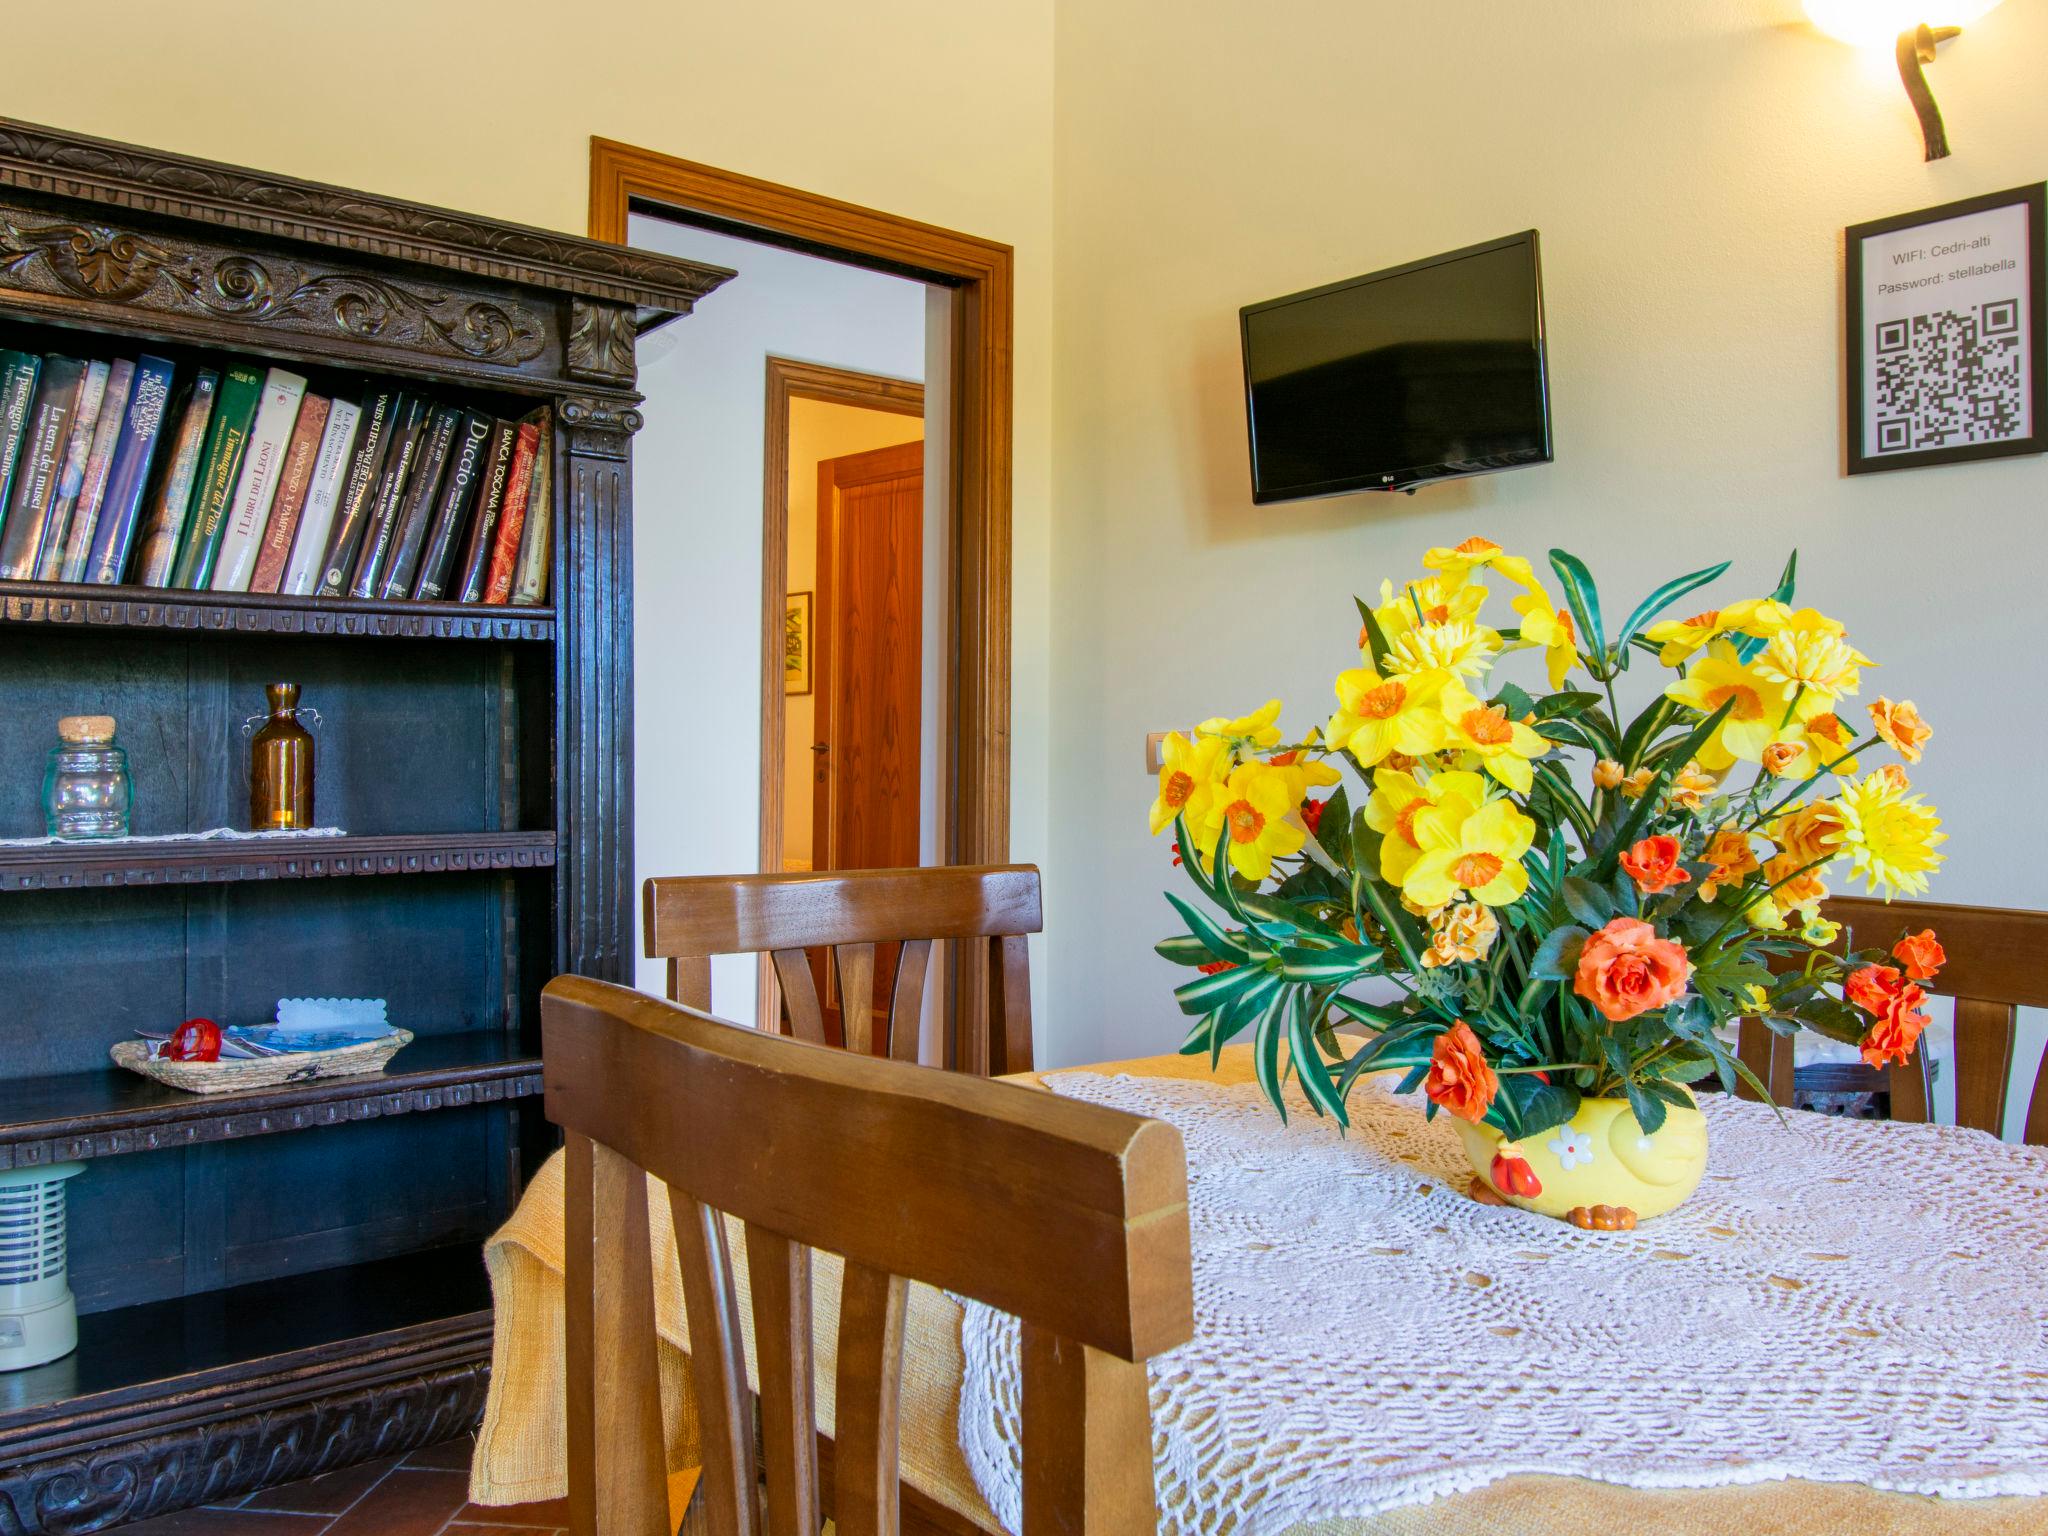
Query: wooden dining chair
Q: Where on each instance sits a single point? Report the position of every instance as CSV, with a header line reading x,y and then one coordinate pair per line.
x,y
1071,1217
1997,962
857,917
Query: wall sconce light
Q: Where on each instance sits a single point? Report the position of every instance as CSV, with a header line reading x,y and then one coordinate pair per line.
x,y
1870,23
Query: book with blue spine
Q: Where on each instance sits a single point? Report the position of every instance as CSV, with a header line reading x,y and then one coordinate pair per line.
x,y
85,418
99,465
121,506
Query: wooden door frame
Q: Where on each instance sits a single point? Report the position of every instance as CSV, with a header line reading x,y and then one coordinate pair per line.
x,y
975,826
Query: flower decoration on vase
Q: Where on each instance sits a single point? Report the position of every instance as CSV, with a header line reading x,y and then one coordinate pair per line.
x,y
1544,915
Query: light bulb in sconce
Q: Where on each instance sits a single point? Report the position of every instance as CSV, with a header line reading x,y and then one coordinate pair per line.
x,y
1903,24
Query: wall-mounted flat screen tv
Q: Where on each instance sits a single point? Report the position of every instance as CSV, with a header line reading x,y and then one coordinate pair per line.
x,y
1422,372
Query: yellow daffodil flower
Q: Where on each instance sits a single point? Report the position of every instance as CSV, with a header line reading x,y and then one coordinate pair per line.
x,y
1479,852
1888,834
1303,772
1189,774
1376,716
1457,646
1254,806
1398,798
1457,565
1680,638
1808,654
1759,715
1502,746
1551,629
1255,729
1427,600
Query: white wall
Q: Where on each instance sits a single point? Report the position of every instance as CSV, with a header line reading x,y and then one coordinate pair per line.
x,y
1691,165
697,540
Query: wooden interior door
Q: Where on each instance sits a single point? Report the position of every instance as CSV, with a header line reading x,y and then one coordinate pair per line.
x,y
868,670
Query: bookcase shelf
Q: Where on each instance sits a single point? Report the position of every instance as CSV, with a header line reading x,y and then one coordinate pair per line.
x,y
84,1115
85,866
352,1208
259,613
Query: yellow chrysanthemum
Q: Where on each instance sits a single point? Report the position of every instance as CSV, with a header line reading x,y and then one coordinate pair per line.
x,y
1256,729
1680,638
1377,716
1253,805
1758,715
1889,834
1808,654
1457,646
1457,565
1550,628
1398,798
1189,774
1477,851
1502,746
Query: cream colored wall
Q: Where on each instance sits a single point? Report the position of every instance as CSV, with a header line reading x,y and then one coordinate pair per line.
x,y
818,430
927,108
1691,165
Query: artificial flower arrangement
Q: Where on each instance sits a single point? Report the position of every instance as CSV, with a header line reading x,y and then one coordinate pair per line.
x,y
1562,951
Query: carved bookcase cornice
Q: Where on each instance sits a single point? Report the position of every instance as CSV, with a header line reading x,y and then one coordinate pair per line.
x,y
74,166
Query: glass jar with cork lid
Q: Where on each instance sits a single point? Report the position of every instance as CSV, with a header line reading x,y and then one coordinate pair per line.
x,y
86,789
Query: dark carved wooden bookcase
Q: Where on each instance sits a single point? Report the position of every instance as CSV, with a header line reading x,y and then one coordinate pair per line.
x,y
280,1281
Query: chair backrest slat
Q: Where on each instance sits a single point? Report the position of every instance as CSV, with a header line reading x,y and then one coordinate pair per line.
x,y
779,1273
906,998
799,995
857,996
856,917
872,1306
718,1368
1997,963
1070,1216
614,1407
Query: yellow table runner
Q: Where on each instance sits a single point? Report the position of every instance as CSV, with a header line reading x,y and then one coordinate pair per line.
x,y
521,1447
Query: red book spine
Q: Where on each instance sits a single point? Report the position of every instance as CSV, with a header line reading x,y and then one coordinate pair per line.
x,y
512,521
293,482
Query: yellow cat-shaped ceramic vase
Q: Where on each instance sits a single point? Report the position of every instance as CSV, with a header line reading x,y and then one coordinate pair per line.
x,y
1598,1170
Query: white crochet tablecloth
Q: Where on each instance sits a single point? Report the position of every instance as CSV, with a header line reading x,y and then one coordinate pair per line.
x,y
1842,1301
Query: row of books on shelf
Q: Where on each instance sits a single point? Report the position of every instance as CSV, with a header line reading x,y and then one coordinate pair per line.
x,y
245,481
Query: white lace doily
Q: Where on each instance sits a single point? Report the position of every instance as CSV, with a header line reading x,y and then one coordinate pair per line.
x,y
1841,1301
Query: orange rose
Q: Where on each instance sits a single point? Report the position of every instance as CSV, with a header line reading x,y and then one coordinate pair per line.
x,y
1459,1079
1780,757
1921,954
1874,988
1625,969
1900,724
1653,865
1882,991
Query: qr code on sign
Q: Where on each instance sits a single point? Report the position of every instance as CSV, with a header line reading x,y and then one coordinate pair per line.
x,y
1949,377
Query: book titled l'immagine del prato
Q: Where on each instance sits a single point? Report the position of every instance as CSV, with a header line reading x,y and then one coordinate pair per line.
x,y
247,477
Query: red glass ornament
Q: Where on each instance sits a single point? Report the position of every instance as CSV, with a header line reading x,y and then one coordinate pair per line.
x,y
194,1040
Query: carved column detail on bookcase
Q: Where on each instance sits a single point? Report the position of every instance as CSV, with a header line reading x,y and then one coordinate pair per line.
x,y
601,338
594,611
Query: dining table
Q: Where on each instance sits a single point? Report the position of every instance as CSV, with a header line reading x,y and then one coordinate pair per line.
x,y
1846,1329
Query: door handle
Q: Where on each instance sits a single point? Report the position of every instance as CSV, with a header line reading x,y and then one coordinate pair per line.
x,y
821,747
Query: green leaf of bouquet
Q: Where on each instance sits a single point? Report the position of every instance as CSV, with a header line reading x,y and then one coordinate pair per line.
x,y
1375,638
1207,992
1665,596
1412,1080
1309,1066
1514,700
1557,957
1643,730
1376,1015
1198,1036
1649,1110
1589,901
1266,1055
1185,949
1331,967
1538,1106
1553,705
1583,598
1220,944
1267,911
1683,752
1747,647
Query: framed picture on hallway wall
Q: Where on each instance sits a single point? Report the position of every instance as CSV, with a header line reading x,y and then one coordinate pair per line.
x,y
1948,334
796,644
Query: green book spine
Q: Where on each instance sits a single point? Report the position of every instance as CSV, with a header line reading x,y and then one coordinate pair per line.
x,y
220,467
18,372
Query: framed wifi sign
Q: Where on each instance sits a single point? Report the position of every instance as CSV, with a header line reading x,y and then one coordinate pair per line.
x,y
1948,334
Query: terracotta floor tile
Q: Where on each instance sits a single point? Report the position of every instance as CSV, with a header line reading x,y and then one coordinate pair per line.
x,y
449,1455
229,1522
328,1494
524,1517
408,1502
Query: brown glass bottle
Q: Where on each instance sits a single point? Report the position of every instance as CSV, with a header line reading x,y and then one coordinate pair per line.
x,y
281,766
